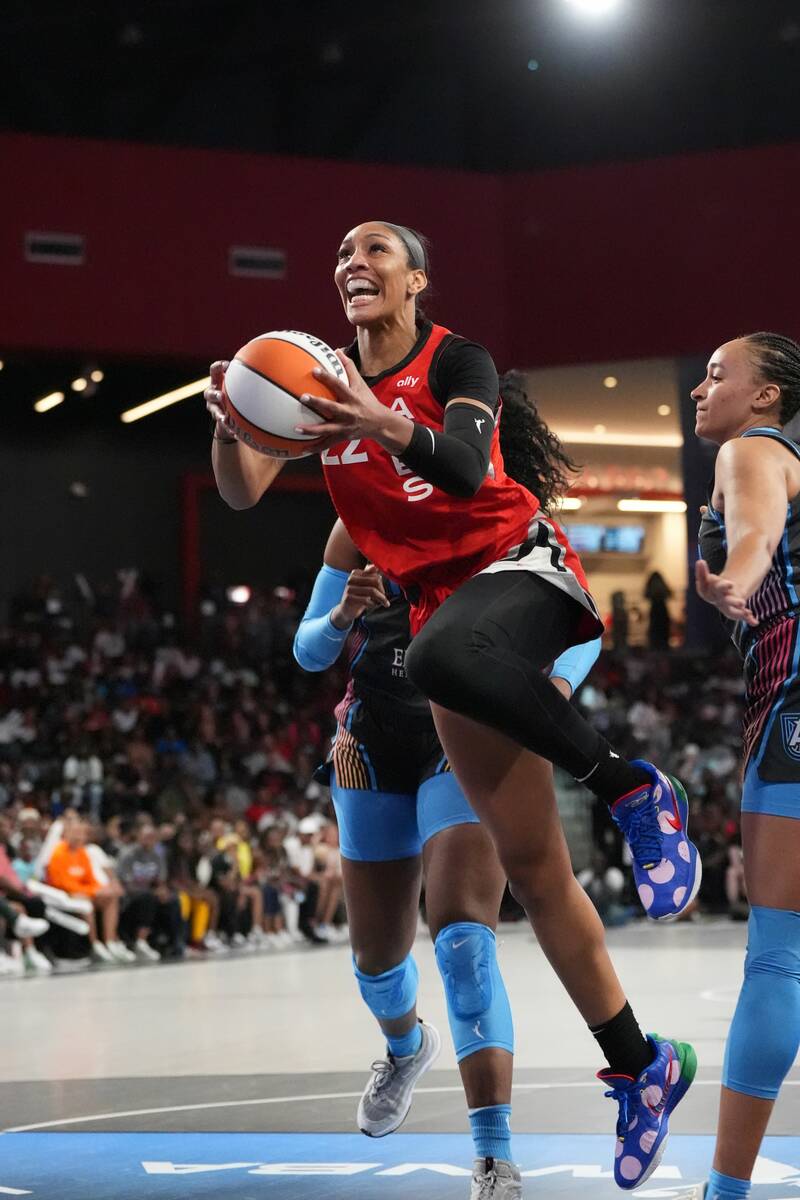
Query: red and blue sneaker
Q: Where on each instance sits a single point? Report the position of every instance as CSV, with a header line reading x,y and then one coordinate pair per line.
x,y
645,1105
666,866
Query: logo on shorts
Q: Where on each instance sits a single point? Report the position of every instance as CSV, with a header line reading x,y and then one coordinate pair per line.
x,y
790,728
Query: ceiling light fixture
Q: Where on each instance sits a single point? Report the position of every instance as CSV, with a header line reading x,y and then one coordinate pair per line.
x,y
664,410
652,506
49,401
97,376
610,381
570,503
595,8
584,437
79,385
164,401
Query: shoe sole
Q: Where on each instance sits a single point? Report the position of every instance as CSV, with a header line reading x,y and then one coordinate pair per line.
x,y
688,1060
437,1049
698,865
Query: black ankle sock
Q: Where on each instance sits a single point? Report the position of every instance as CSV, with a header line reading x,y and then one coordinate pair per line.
x,y
614,777
624,1046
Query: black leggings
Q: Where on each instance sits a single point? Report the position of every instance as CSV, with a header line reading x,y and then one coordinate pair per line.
x,y
484,654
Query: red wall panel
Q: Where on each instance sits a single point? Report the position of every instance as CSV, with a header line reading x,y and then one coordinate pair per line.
x,y
159,222
663,257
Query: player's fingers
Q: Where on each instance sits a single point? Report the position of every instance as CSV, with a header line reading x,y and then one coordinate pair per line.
x,y
322,406
217,372
349,366
339,387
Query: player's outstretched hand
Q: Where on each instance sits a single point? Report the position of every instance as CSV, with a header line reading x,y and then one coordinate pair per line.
x,y
215,402
363,590
354,413
722,593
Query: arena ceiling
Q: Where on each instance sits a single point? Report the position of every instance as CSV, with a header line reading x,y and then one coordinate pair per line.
x,y
481,84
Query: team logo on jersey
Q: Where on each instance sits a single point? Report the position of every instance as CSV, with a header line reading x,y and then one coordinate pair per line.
x,y
790,728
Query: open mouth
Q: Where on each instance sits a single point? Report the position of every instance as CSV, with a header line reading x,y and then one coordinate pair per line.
x,y
361,291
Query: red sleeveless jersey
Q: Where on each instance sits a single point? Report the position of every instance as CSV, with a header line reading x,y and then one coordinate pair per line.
x,y
426,540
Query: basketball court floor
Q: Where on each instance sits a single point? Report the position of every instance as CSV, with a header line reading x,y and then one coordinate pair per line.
x,y
239,1078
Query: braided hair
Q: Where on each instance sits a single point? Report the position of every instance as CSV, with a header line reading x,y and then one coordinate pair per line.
x,y
777,359
532,453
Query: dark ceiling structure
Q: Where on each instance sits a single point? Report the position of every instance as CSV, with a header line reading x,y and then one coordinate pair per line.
x,y
494,85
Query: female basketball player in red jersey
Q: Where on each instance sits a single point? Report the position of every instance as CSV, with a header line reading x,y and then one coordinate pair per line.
x,y
413,465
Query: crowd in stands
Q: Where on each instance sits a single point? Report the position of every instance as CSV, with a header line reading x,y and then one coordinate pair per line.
x,y
158,796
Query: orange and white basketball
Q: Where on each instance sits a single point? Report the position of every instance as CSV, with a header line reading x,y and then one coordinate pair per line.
x,y
263,386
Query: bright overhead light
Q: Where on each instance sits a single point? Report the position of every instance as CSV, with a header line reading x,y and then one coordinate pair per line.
x,y
2,364
601,429
570,503
664,410
610,381
652,506
595,7
159,402
79,385
49,401
97,376
240,594
584,437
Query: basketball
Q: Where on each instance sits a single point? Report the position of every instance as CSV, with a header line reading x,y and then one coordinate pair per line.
x,y
263,386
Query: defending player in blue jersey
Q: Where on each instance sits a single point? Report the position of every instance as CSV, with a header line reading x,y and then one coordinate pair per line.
x,y
750,570
401,811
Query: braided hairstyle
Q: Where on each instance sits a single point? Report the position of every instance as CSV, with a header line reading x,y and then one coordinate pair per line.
x,y
532,453
777,359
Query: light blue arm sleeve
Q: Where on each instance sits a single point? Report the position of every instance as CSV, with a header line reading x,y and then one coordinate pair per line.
x,y
318,643
576,663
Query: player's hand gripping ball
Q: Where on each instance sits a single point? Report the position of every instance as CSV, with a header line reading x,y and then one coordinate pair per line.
x,y
261,391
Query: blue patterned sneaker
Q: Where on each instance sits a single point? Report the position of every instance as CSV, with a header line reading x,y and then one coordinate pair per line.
x,y
666,865
644,1108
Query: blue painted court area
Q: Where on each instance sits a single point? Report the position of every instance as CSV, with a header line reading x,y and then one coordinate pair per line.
x,y
169,1166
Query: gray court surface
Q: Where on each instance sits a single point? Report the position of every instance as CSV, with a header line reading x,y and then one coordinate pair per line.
x,y
280,1042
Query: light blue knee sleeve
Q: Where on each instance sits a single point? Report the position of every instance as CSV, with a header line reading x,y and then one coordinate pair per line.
x,y
477,1002
392,994
765,1032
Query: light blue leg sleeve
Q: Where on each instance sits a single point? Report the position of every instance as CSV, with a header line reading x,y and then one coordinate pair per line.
x,y
477,1002
392,994
765,1032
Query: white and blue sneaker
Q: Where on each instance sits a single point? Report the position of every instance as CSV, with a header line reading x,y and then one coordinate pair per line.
x,y
666,865
495,1179
387,1097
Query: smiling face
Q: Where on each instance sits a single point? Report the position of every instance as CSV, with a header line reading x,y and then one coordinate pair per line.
x,y
734,395
373,275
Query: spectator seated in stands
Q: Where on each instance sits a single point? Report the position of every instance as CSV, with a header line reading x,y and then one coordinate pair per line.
x,y
199,904
70,869
151,910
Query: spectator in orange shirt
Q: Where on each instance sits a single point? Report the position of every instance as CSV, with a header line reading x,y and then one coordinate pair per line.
x,y
70,869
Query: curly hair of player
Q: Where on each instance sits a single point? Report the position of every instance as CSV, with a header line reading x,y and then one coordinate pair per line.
x,y
532,453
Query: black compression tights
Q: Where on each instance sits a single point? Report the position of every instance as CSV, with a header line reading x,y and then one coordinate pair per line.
x,y
484,654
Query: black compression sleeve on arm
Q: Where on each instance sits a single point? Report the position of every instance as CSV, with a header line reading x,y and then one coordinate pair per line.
x,y
457,459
